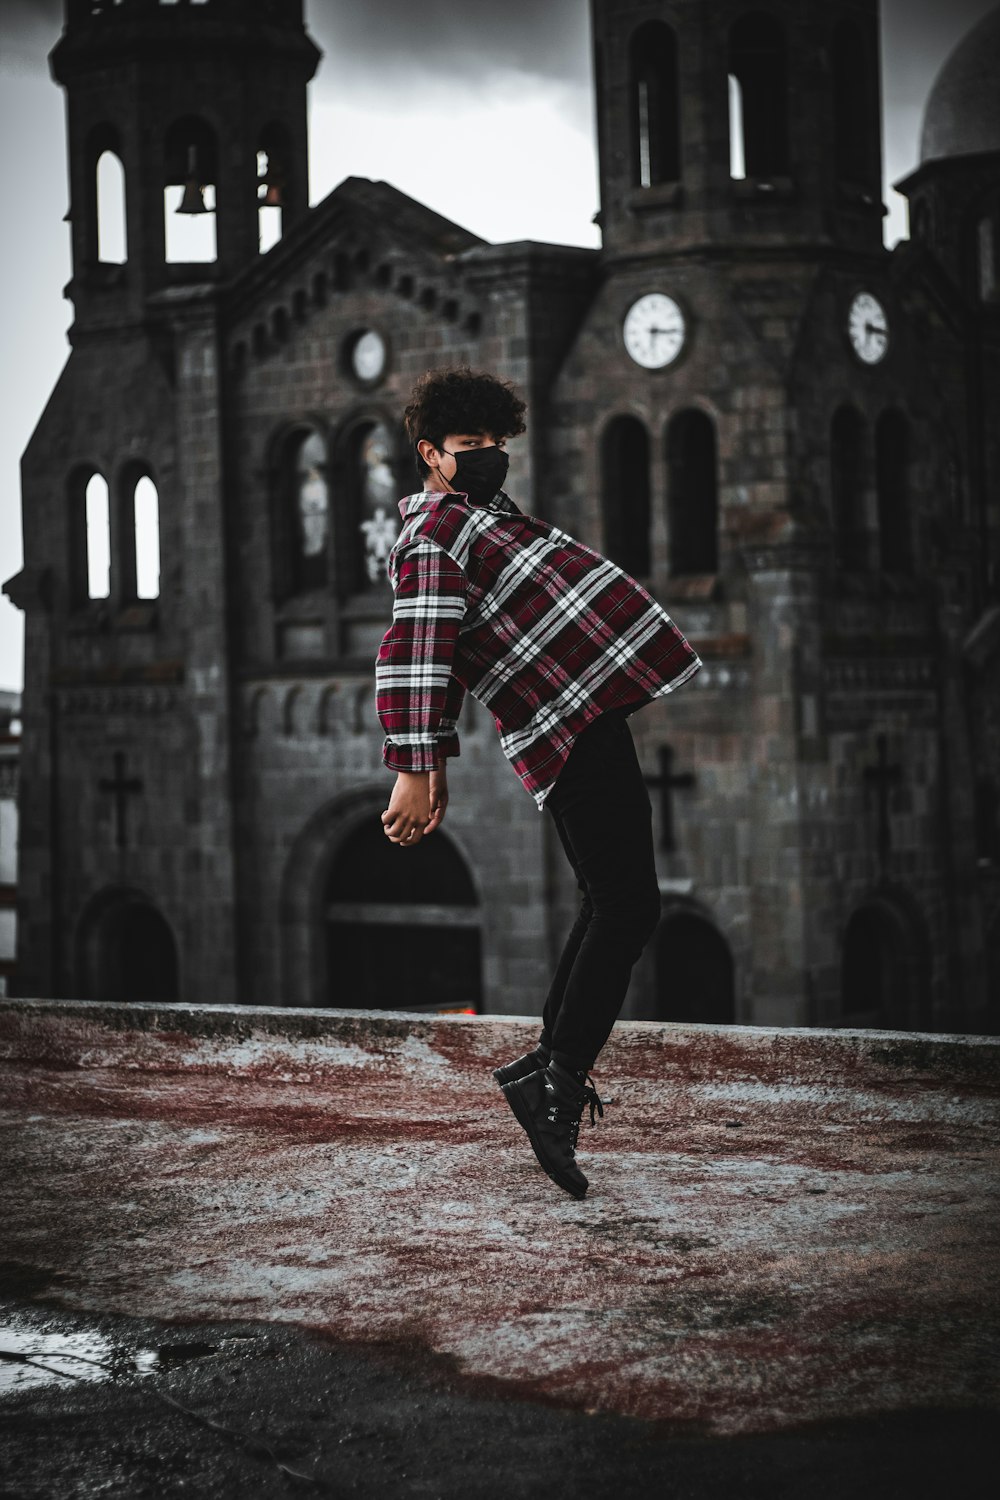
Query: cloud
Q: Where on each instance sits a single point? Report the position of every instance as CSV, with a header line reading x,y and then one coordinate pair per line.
x,y
448,43
29,29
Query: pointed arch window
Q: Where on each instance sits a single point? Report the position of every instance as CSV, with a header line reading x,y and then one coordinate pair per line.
x,y
892,444
758,94
189,196
655,105
692,494
848,488
855,113
625,494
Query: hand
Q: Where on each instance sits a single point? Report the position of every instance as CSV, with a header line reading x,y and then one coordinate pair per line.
x,y
439,796
405,819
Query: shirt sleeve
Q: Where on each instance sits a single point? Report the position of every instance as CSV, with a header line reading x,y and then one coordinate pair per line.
x,y
417,697
448,741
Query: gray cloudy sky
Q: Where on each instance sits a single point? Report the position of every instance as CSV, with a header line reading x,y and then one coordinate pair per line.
x,y
482,110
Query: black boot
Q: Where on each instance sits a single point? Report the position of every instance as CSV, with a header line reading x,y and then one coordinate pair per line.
x,y
549,1104
529,1063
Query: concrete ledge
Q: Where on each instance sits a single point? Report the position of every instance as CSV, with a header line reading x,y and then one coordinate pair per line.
x,y
46,1030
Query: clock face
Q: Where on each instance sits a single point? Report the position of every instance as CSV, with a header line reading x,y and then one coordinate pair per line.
x,y
368,355
653,330
868,328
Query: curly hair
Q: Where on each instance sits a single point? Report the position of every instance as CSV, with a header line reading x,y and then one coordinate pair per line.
x,y
460,400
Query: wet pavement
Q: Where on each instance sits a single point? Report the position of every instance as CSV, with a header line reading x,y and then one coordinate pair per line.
x,y
266,1251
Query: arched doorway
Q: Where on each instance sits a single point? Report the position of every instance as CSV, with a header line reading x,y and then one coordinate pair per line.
x,y
402,925
368,925
694,971
126,953
884,969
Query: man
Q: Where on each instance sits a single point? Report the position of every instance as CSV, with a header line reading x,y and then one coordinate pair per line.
x,y
561,645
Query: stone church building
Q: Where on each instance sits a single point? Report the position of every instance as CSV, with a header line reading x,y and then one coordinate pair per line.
x,y
783,430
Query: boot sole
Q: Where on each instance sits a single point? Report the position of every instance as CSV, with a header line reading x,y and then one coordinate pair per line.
x,y
524,1119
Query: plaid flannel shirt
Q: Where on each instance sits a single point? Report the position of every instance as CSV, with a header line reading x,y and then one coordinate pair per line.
x,y
543,630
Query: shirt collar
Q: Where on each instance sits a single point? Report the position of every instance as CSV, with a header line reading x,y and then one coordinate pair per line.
x,y
427,499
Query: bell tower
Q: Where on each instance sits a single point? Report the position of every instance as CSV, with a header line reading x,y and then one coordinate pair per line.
x,y
742,125
187,142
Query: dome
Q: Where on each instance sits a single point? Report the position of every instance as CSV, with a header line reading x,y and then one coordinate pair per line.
x,y
963,110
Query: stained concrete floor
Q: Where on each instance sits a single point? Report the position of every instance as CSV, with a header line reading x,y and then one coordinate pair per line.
x,y
324,1236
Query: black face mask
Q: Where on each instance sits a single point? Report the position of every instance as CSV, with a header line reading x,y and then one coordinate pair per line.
x,y
480,472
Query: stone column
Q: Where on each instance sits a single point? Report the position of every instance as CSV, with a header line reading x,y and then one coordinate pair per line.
x,y
784,571
208,943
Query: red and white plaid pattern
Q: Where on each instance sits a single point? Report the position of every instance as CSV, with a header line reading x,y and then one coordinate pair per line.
x,y
543,630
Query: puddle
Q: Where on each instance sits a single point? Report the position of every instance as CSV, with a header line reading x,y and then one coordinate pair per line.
x,y
31,1356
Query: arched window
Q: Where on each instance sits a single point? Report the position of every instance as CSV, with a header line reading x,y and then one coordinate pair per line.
x,y
374,492
273,184
189,198
104,196
848,488
625,494
692,494
110,190
892,443
854,113
655,105
758,117
90,537
146,518
137,543
302,514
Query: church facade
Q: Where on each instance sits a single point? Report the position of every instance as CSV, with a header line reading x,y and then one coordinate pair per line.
x,y
783,430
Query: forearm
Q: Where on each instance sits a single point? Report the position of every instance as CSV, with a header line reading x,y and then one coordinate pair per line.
x,y
418,699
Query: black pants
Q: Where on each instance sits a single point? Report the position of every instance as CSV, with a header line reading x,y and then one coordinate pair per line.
x,y
603,816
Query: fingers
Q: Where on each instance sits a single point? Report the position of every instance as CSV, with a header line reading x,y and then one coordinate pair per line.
x,y
401,830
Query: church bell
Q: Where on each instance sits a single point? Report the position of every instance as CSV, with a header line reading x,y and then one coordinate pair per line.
x,y
193,200
193,197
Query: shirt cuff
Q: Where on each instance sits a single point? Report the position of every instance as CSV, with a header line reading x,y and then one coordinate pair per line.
x,y
422,756
448,741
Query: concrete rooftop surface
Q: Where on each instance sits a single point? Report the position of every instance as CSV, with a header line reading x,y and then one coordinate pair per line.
x,y
785,1228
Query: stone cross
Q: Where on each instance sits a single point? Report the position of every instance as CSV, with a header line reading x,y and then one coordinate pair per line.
x,y
666,781
883,778
121,785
